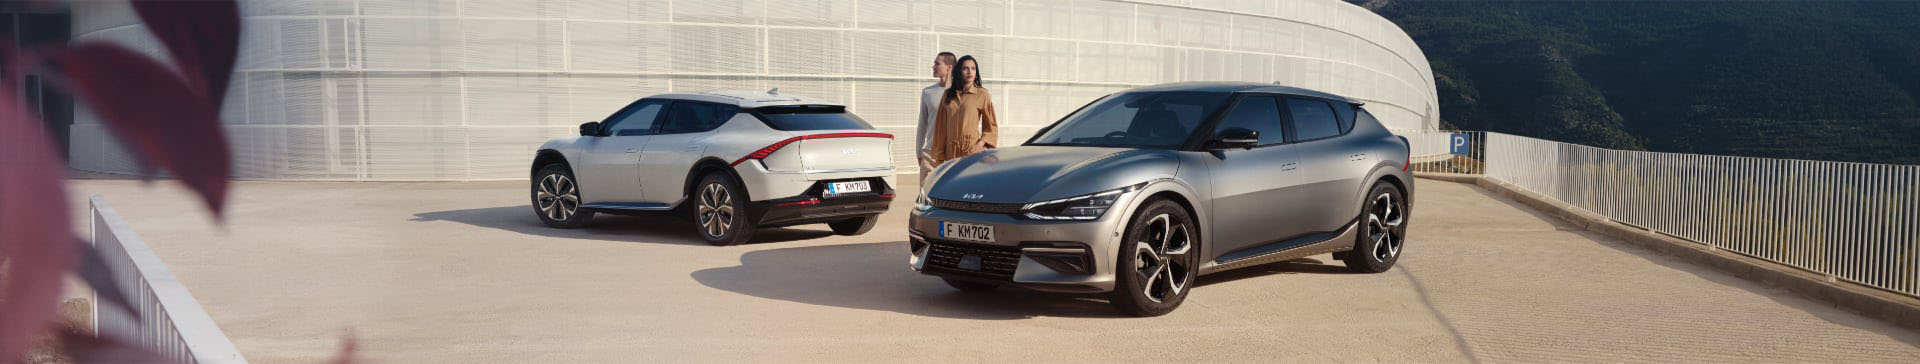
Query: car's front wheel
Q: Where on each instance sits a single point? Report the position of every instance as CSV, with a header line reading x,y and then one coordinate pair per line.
x,y
1383,230
556,198
1157,260
720,211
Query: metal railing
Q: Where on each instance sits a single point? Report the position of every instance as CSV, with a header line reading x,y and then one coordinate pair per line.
x,y
1855,222
1447,151
167,320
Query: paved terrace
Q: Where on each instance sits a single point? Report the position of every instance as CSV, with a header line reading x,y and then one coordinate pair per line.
x,y
463,272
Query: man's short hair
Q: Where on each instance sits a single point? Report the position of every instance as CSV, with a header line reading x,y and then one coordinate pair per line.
x,y
947,57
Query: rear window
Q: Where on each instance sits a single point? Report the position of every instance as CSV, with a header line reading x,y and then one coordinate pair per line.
x,y
811,117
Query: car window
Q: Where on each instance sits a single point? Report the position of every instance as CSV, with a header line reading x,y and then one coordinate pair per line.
x,y
1258,113
1346,116
692,117
635,120
1135,120
1363,116
811,117
1312,119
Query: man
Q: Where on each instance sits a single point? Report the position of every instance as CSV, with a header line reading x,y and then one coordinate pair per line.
x,y
929,106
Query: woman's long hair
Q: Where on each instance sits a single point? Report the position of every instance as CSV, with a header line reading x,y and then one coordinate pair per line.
x,y
955,84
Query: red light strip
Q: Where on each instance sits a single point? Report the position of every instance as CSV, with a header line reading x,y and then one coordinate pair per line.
x,y
775,147
801,202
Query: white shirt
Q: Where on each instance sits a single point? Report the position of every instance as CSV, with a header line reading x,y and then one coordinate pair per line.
x,y
929,107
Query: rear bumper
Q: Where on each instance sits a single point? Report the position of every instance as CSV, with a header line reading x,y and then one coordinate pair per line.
x,y
812,206
763,184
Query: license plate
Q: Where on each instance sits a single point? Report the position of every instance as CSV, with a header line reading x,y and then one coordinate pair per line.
x,y
966,232
841,188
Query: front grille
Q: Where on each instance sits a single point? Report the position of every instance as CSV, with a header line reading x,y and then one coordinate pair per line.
x,y
997,262
991,208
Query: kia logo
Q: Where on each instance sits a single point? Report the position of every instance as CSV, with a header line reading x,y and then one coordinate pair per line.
x,y
972,196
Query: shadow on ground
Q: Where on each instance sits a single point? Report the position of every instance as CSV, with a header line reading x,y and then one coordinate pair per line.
x,y
875,276
635,229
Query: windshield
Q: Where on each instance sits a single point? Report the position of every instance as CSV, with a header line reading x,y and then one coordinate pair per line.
x,y
1135,120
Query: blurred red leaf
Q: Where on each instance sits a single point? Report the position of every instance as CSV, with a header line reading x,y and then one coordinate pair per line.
x,y
153,111
34,237
202,35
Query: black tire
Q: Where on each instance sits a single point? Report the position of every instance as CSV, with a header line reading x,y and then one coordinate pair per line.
x,y
556,198
854,226
1160,231
970,286
1383,230
720,211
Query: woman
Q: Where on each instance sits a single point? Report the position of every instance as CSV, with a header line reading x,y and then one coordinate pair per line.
x,y
966,123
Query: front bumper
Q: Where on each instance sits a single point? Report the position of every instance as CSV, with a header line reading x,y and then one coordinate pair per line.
x,y
1039,255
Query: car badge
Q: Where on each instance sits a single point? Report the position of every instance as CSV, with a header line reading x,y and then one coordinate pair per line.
x,y
972,196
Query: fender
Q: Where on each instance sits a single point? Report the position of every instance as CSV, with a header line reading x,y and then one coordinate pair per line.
x,y
1177,187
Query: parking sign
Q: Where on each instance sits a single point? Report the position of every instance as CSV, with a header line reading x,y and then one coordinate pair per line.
x,y
1458,144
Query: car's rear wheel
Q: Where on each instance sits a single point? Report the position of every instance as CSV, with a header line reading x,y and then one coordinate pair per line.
x,y
719,211
854,226
1383,230
1157,260
969,286
556,198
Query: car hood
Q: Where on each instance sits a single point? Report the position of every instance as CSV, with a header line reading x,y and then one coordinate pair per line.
x,y
1037,173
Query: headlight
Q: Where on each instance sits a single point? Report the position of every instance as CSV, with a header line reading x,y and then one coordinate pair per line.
x,y
1083,207
921,204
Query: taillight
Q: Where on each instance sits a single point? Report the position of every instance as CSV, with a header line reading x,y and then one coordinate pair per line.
x,y
775,147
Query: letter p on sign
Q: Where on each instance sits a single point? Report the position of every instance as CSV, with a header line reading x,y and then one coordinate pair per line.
x,y
1458,144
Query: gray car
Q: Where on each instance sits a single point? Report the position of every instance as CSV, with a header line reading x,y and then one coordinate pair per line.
x,y
1140,192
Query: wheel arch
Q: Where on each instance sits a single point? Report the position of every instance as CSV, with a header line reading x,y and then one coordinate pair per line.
x,y
1178,193
711,165
544,157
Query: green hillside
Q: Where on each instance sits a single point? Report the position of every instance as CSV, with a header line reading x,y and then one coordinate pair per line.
x,y
1804,80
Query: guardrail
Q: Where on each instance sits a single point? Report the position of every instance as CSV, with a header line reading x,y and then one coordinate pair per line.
x,y
167,320
1854,222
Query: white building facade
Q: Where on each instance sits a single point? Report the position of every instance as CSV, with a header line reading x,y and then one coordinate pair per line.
x,y
374,90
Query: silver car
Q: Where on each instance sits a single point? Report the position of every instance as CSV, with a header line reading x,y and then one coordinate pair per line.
x,y
732,161
1139,192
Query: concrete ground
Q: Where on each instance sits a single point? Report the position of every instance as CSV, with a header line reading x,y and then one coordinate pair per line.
x,y
464,272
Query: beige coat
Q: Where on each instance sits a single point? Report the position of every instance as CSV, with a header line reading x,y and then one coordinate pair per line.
x,y
963,121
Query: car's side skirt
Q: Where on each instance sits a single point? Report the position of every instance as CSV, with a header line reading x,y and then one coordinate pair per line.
x,y
1343,241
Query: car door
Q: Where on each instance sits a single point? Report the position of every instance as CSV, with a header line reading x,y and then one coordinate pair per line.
x,y
1326,186
1250,185
609,172
677,145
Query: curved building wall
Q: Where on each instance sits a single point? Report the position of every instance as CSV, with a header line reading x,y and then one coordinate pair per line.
x,y
460,90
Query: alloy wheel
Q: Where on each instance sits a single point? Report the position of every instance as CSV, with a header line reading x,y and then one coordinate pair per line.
x,y
1384,217
558,197
716,210
1161,259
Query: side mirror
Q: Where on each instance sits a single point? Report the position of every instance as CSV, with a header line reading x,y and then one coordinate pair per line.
x,y
591,128
1230,138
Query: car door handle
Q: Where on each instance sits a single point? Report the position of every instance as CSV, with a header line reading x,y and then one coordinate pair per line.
x,y
1286,167
691,148
633,150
